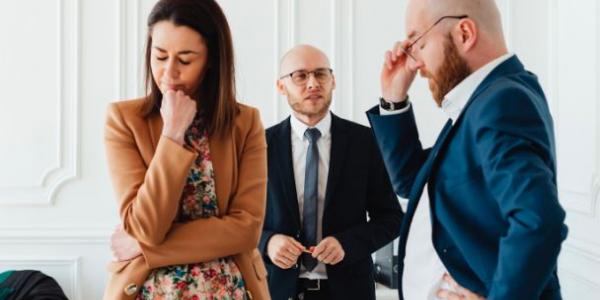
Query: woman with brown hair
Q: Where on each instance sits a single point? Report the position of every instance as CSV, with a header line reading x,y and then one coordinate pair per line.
x,y
188,164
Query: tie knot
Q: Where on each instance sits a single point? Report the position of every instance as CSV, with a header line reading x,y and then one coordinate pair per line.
x,y
312,134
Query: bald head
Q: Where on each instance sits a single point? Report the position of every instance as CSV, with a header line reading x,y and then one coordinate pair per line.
x,y
308,95
478,39
305,57
484,13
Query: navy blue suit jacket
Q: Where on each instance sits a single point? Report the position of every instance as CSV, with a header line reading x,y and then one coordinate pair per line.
x,y
497,224
357,185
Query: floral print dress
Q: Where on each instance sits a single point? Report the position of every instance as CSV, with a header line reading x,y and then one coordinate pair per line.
x,y
218,279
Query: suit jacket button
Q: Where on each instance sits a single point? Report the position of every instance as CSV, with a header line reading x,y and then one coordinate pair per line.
x,y
131,289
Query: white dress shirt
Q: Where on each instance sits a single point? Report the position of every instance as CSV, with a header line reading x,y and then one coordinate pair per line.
x,y
423,269
299,150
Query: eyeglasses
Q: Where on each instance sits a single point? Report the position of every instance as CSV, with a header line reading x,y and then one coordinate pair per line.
x,y
409,49
300,77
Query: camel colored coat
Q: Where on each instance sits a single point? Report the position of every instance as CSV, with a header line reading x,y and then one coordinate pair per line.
x,y
148,173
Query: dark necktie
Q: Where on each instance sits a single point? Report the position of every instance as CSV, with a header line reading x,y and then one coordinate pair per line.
x,y
311,182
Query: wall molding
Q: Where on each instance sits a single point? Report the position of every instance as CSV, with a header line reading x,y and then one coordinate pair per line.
x,y
595,185
577,264
583,202
553,56
342,56
70,263
285,36
576,254
334,22
121,77
276,53
67,99
138,48
507,20
129,82
580,279
583,249
596,188
37,235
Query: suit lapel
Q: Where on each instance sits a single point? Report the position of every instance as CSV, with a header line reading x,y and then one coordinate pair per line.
x,y
222,152
339,142
419,184
283,152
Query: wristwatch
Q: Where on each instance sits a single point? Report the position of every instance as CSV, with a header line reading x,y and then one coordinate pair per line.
x,y
392,106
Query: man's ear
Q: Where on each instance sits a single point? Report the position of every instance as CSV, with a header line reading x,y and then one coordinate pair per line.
x,y
332,82
281,87
466,34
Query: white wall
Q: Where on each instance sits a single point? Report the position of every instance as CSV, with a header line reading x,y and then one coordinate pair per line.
x,y
63,61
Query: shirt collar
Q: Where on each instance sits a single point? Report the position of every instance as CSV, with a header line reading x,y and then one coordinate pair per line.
x,y
324,126
457,98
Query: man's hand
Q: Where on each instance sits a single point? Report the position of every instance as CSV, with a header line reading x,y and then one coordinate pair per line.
x,y
459,293
123,246
396,75
284,250
329,251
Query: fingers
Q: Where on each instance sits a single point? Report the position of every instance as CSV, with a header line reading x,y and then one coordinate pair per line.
x,y
168,97
329,251
459,291
332,256
284,251
397,54
397,50
329,256
338,260
450,281
116,250
319,249
401,47
388,63
280,265
287,254
339,257
283,262
446,294
322,251
293,247
175,96
296,247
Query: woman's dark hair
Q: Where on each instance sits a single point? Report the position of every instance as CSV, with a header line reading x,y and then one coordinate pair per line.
x,y
216,94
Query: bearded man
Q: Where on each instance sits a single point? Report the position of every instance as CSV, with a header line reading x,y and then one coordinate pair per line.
x,y
490,224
